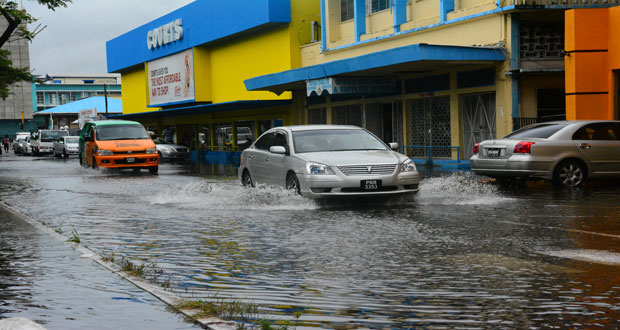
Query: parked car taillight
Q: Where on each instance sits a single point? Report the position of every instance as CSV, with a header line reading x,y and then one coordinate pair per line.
x,y
476,146
523,147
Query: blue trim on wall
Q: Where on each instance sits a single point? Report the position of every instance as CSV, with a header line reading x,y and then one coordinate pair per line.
x,y
411,53
359,14
446,6
205,108
204,21
399,13
323,27
161,105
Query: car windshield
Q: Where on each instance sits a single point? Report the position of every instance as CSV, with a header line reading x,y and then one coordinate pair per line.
x,y
49,136
72,140
335,140
542,131
121,132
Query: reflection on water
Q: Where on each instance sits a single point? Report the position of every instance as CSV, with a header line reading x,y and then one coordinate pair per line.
x,y
461,253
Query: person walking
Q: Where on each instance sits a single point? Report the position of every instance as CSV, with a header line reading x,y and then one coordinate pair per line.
x,y
6,142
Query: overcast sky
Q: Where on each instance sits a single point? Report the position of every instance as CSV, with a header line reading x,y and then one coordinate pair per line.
x,y
74,40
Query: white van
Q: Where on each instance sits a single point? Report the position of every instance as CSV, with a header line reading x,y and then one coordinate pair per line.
x,y
43,143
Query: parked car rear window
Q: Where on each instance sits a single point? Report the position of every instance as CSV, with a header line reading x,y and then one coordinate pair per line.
x,y
543,131
49,136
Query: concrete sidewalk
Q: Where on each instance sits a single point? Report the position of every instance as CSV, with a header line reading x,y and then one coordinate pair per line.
x,y
47,281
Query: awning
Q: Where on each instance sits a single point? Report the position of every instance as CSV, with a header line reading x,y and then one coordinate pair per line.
x,y
412,58
93,102
204,108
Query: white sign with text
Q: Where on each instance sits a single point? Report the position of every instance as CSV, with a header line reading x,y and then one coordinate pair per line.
x,y
86,115
171,79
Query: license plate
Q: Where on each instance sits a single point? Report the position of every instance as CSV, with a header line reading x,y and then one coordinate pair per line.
x,y
130,160
370,185
493,152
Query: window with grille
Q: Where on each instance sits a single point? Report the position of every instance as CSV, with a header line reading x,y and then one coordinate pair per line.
x,y
377,5
346,10
40,98
53,99
317,116
72,96
63,98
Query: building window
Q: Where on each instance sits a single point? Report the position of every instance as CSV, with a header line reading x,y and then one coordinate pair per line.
x,y
53,99
63,98
346,10
72,96
378,5
57,81
89,81
40,98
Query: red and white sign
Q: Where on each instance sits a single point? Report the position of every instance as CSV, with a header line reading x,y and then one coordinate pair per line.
x,y
171,79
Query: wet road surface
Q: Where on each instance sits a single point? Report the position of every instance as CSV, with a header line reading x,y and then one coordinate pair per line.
x,y
48,282
461,253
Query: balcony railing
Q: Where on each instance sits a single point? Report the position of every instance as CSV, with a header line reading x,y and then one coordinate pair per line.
x,y
505,3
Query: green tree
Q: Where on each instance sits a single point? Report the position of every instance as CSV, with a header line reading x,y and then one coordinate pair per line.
x,y
17,27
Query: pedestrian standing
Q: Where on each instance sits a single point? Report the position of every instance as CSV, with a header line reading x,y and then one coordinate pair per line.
x,y
5,142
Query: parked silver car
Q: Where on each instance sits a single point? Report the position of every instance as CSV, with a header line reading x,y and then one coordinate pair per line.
x,y
66,146
24,145
324,160
170,151
566,152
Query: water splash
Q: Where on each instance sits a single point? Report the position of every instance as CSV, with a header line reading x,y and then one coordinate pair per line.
x,y
459,189
596,256
227,195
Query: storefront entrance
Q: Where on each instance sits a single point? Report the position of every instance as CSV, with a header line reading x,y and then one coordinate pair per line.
x,y
478,111
384,120
429,126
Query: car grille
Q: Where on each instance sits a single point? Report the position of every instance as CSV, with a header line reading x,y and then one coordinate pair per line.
x,y
130,152
124,161
377,169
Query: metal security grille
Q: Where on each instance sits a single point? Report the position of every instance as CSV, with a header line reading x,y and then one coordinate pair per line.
x,y
317,116
380,169
373,121
429,125
478,112
348,115
397,123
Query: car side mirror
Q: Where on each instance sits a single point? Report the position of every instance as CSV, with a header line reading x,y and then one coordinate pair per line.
x,y
394,145
277,150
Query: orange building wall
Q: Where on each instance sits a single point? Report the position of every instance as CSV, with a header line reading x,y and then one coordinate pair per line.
x,y
593,46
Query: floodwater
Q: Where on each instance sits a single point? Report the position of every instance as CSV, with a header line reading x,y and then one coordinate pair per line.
x,y
462,253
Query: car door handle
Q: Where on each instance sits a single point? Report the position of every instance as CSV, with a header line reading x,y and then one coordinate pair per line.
x,y
585,146
267,160
250,157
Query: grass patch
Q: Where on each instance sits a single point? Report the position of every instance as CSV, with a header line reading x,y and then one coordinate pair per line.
x,y
109,258
58,230
75,237
142,270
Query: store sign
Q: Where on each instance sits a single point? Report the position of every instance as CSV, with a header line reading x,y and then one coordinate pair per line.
x,y
165,34
349,85
171,79
86,115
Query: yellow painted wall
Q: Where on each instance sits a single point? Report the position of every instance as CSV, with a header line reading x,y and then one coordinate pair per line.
x,y
489,30
239,59
202,74
529,87
134,87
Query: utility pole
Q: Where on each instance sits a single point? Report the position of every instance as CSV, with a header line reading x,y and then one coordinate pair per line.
x,y
105,94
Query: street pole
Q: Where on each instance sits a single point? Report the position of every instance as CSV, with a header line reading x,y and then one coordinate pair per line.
x,y
105,94
23,127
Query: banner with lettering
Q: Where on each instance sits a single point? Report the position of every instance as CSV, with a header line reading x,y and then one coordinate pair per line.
x,y
171,79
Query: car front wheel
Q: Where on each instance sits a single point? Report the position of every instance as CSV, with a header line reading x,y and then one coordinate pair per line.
x,y
153,169
570,173
292,183
246,179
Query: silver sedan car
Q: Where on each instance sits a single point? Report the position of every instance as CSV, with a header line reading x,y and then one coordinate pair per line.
x,y
566,152
326,160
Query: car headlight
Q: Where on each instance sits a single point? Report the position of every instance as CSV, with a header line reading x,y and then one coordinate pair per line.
x,y
104,152
407,166
151,150
316,168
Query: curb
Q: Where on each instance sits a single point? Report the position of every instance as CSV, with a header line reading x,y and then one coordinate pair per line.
x,y
166,297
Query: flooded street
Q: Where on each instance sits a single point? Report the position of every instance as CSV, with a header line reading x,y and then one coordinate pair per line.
x,y
461,253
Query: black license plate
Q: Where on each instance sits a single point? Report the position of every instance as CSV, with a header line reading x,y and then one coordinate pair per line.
x,y
370,185
493,152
